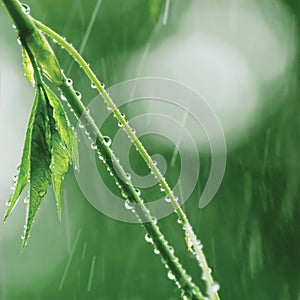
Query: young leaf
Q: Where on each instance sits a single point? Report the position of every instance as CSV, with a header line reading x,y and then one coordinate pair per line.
x,y
45,57
60,158
28,68
40,159
24,168
65,131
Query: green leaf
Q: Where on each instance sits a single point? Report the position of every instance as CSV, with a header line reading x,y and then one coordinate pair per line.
x,y
24,168
40,159
45,57
28,68
60,158
66,132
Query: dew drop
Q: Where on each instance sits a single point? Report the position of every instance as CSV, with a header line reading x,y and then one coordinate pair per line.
x,y
69,82
120,125
128,205
171,249
168,199
154,220
128,176
179,221
7,203
93,146
162,189
42,193
93,86
214,288
63,98
148,238
78,94
171,275
25,8
156,251
138,192
22,237
107,141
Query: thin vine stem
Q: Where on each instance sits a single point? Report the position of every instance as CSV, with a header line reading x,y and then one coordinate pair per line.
x,y
190,235
184,281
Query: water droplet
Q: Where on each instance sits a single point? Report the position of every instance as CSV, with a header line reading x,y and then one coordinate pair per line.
x,y
138,192
22,237
26,200
25,8
123,115
14,26
93,146
133,131
179,221
148,238
214,288
128,205
120,125
156,251
128,176
124,195
154,220
168,199
78,94
162,189
93,86
7,203
171,275
69,82
42,193
103,85
15,179
107,141
171,249
154,162
81,125
63,98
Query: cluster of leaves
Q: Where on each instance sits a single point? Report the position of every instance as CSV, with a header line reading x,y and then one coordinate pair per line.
x,y
49,149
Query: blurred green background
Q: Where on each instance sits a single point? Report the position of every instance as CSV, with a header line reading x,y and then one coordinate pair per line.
x,y
250,231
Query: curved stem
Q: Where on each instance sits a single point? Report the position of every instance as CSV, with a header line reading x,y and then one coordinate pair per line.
x,y
190,235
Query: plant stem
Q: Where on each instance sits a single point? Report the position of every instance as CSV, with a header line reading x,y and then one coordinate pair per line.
x,y
190,235
27,29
